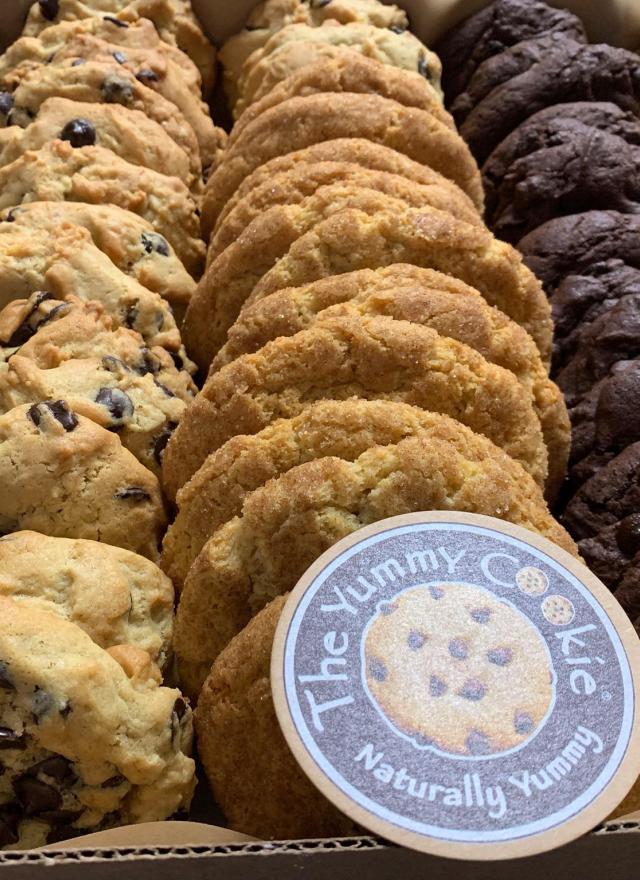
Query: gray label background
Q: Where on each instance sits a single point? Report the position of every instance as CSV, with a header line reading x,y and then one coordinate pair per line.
x,y
355,722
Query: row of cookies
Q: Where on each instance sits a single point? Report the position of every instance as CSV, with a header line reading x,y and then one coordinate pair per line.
x,y
371,350
100,249
563,185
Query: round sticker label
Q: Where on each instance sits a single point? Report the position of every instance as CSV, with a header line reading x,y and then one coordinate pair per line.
x,y
459,685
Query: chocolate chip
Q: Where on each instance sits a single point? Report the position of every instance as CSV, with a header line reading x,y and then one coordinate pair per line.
x,y
416,640
377,670
58,409
79,133
36,796
472,690
10,816
131,315
41,703
6,681
114,364
180,708
116,21
459,649
49,9
436,592
500,656
166,391
6,103
116,90
120,57
56,767
177,360
9,739
437,687
152,242
133,493
162,441
78,62
118,403
146,75
477,743
423,68
113,782
628,535
149,363
65,710
319,4
33,322
481,615
10,216
398,29
523,723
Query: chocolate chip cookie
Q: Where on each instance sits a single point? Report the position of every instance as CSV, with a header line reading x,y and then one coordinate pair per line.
x,y
65,476
288,523
115,596
89,738
302,122
497,27
355,356
58,172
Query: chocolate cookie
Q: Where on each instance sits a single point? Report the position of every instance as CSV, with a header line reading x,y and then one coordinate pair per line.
x,y
565,71
571,244
583,298
603,517
495,28
581,169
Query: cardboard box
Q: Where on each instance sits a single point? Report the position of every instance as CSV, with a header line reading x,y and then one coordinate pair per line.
x,y
160,851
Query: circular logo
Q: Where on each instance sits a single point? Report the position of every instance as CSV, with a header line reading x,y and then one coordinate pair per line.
x,y
459,685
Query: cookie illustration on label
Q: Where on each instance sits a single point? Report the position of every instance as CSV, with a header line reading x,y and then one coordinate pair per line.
x,y
558,610
532,581
455,669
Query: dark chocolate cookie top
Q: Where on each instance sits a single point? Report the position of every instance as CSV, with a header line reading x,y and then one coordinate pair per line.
x,y
566,71
572,244
492,30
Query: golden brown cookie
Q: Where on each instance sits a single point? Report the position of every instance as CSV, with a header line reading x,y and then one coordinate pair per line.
x,y
354,356
356,151
341,70
353,240
422,296
243,749
288,523
58,172
294,186
231,278
301,122
290,47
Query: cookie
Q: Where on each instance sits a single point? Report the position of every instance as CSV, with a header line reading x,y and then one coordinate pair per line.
x,y
457,670
288,523
270,16
351,240
558,610
139,37
599,345
59,782
532,581
50,332
286,51
174,21
96,83
584,169
549,128
565,70
336,69
67,477
58,172
420,296
355,356
69,264
581,298
497,27
416,133
231,278
341,428
116,597
130,134
142,411
356,151
296,186
603,517
243,749
129,242
570,244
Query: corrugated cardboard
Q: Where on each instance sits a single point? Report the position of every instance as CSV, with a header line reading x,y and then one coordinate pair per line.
x,y
194,851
